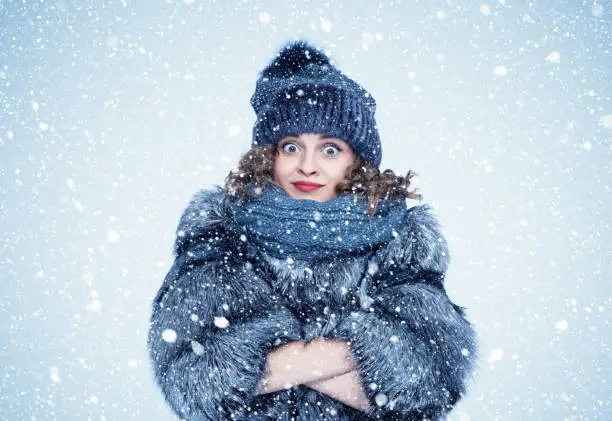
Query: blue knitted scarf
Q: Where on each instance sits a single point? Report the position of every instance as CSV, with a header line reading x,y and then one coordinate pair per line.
x,y
287,228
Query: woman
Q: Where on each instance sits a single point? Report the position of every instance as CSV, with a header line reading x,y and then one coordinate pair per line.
x,y
307,289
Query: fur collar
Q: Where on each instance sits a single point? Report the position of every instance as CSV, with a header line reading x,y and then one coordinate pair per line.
x,y
418,245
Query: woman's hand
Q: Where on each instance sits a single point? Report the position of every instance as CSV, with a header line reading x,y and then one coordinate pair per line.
x,y
295,363
345,388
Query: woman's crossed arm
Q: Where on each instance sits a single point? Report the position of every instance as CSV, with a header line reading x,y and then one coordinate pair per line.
x,y
324,365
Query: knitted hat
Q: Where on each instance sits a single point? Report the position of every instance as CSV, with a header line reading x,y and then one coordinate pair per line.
x,y
301,92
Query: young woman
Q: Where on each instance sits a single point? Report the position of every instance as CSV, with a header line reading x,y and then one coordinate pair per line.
x,y
307,289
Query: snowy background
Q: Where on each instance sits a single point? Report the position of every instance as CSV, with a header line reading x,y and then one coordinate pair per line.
x,y
114,113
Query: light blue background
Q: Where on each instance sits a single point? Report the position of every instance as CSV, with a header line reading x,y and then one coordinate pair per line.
x,y
112,115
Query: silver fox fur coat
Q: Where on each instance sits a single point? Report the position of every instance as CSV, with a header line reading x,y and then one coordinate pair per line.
x,y
224,305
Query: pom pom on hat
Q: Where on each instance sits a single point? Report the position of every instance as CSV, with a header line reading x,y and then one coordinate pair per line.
x,y
293,58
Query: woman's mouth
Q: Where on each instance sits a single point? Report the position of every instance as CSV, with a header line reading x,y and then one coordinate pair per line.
x,y
307,186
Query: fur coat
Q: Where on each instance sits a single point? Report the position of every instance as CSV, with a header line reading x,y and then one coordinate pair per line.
x,y
223,305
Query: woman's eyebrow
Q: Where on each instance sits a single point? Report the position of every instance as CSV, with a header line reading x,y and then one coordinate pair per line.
x,y
327,138
300,142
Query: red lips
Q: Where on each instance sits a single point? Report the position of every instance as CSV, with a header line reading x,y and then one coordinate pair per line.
x,y
307,186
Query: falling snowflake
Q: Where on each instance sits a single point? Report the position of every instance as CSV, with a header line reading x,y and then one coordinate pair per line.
x,y
197,348
113,236
221,322
496,355
55,377
597,9
367,39
441,15
169,335
264,18
234,130
381,399
554,57
372,268
606,121
326,25
500,71
94,306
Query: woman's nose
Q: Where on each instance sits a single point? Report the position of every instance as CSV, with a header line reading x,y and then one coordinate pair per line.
x,y
307,165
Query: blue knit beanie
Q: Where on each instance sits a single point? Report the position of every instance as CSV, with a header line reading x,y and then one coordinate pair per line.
x,y
301,92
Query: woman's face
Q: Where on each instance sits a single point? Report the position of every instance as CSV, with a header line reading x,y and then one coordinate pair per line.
x,y
310,166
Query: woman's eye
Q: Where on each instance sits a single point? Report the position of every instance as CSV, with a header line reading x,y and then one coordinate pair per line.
x,y
331,150
289,147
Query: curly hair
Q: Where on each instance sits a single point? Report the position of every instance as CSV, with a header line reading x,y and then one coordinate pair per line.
x,y
256,169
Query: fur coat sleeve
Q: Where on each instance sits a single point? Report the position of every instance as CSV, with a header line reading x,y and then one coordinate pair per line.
x,y
213,321
414,348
